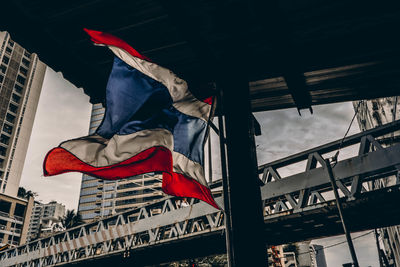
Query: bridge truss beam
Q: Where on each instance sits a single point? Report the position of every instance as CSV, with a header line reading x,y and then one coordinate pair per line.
x,y
297,207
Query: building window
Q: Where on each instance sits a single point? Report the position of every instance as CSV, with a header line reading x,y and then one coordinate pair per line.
x,y
1,78
6,60
25,62
16,98
3,69
4,139
10,118
8,50
7,128
3,151
27,54
13,108
23,70
21,79
18,88
1,163
11,43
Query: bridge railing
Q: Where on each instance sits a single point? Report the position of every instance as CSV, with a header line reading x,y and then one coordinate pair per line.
x,y
164,220
354,176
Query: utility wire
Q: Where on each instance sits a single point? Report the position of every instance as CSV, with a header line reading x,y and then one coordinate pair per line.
x,y
337,244
335,157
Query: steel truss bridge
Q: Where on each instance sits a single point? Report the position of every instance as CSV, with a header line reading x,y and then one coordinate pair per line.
x,y
297,207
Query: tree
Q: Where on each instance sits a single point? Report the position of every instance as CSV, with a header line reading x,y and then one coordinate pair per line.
x,y
23,193
71,219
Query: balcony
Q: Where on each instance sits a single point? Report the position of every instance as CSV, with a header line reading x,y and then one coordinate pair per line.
x,y
15,218
12,231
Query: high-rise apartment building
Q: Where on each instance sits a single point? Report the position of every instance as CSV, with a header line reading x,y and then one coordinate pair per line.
x,y
15,214
99,198
21,78
45,218
373,113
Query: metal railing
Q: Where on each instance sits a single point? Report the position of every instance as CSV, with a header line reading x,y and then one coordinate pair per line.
x,y
164,221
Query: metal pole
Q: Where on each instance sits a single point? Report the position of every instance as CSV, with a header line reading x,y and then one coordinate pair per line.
x,y
378,247
227,208
340,209
209,159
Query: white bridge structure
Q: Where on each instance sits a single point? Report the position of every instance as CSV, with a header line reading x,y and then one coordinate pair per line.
x,y
296,207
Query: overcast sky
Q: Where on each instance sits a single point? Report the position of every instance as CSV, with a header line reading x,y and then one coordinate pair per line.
x,y
64,112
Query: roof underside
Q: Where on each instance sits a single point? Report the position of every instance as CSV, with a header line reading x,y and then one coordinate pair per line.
x,y
297,53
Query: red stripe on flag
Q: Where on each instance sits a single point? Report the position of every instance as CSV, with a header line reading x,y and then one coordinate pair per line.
x,y
182,186
108,39
155,159
208,100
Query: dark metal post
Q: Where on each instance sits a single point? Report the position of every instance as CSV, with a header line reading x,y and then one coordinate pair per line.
x,y
209,159
340,209
242,190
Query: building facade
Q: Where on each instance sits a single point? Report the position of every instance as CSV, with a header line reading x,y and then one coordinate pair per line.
x,y
373,113
15,214
100,198
304,254
21,79
275,256
317,255
45,219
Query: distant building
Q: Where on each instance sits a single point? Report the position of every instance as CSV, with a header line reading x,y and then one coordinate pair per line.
x,y
289,259
275,256
45,219
100,198
21,78
317,255
15,214
373,113
304,254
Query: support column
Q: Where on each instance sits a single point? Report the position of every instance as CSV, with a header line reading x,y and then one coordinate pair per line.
x,y
245,234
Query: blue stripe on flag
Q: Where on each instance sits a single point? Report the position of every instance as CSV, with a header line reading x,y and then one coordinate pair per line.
x,y
136,102
189,136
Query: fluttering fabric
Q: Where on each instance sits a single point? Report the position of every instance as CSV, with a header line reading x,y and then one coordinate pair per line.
x,y
152,123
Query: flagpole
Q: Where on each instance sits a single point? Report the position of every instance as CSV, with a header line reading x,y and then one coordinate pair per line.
x,y
227,207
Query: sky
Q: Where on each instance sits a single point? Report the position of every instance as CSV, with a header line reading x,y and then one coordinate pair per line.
x,y
64,112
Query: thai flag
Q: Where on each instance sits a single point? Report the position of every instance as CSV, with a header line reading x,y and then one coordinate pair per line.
x,y
152,123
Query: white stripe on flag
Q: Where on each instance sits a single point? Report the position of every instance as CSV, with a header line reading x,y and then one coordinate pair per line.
x,y
188,168
182,99
100,152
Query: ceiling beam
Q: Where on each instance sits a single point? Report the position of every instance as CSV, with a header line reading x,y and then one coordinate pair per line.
x,y
278,34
